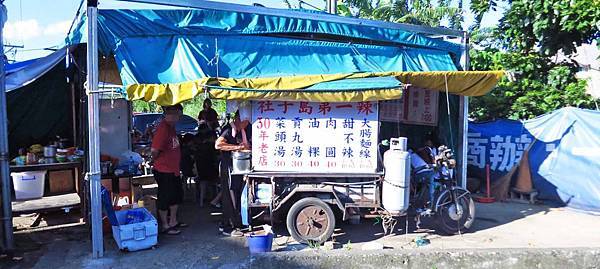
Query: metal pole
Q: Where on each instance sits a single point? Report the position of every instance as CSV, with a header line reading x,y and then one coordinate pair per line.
x,y
464,113
93,175
4,155
332,6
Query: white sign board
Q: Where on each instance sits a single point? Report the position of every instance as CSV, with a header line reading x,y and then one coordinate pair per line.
x,y
417,106
314,137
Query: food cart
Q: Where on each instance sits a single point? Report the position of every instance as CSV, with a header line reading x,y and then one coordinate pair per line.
x,y
316,163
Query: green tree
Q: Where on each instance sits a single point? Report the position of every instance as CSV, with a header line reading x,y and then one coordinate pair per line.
x,y
190,107
527,42
534,85
421,12
544,26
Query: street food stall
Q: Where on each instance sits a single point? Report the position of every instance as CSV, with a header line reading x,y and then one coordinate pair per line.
x,y
46,164
237,52
47,147
317,159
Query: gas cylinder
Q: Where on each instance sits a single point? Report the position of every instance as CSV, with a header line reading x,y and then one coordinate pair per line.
x,y
396,184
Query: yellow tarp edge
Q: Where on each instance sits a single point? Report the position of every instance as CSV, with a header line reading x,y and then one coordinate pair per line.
x,y
467,83
344,96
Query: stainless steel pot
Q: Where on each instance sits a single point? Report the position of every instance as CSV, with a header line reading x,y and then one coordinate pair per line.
x,y
49,151
241,161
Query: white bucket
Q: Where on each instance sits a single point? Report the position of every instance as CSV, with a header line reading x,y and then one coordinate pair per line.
x,y
29,185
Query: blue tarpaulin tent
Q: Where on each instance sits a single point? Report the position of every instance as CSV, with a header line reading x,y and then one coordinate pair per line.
x,y
563,160
168,56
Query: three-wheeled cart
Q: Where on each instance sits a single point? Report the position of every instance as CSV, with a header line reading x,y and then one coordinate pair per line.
x,y
311,202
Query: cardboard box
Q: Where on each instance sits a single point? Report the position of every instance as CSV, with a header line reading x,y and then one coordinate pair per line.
x,y
62,181
124,184
150,204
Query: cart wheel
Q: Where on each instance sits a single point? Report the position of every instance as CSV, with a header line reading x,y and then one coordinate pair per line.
x,y
310,220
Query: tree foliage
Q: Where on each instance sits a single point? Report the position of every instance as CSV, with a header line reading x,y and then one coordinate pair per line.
x,y
534,85
527,43
422,12
544,26
190,107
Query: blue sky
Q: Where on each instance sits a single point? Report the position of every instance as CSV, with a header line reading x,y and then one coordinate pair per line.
x,y
38,24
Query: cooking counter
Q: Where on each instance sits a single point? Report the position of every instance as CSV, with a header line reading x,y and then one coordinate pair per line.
x,y
46,166
61,177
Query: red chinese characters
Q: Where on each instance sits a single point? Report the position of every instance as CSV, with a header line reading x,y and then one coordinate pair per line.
x,y
285,106
324,108
305,108
265,106
365,107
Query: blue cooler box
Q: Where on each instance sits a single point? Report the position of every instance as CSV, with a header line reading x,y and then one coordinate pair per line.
x,y
137,229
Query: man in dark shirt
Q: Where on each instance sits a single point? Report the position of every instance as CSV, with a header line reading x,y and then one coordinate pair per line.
x,y
237,136
209,115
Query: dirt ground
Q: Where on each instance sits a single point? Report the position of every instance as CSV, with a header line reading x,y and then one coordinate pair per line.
x,y
497,226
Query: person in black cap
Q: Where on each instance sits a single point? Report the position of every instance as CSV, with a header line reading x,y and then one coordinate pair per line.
x,y
235,137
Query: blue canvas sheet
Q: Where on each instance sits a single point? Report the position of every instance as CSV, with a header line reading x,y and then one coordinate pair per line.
x,y
172,46
115,25
194,57
563,159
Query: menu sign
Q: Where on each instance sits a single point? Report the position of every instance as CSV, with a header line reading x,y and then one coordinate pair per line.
x,y
417,106
314,137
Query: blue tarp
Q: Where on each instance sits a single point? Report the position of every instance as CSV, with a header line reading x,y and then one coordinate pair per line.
x,y
358,83
22,74
114,25
171,46
16,66
563,160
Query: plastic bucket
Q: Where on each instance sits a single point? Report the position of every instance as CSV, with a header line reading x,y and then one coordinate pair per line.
x,y
259,243
29,185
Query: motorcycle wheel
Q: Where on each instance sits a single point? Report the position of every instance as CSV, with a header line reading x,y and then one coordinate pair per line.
x,y
453,218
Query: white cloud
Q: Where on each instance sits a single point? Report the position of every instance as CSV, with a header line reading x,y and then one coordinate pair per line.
x,y
29,29
56,29
22,30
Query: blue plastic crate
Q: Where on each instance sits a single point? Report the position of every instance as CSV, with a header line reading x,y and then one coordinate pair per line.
x,y
137,229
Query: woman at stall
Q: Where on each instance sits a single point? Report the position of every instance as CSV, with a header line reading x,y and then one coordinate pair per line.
x,y
235,137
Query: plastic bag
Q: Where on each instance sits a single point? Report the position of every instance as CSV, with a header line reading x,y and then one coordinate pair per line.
x,y
129,155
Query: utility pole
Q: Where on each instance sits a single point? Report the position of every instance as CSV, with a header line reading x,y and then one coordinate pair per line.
x,y
7,225
464,115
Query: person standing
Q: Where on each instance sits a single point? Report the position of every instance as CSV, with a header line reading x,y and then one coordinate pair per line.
x,y
206,159
166,155
209,115
236,137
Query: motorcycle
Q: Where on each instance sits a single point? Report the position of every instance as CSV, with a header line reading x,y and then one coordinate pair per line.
x,y
450,206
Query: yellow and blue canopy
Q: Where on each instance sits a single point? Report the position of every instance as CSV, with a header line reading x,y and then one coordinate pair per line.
x,y
169,56
320,88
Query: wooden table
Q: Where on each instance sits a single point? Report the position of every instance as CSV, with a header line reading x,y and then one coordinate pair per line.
x,y
54,202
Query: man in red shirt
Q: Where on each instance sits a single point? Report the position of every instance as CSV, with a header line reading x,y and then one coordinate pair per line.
x,y
166,154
